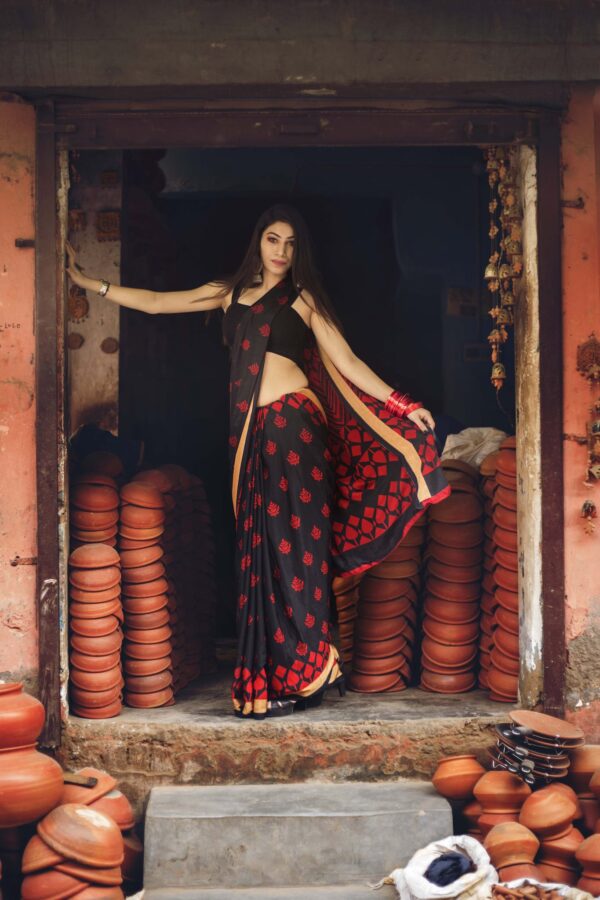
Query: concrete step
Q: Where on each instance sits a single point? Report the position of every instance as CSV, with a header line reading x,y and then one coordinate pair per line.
x,y
325,892
296,835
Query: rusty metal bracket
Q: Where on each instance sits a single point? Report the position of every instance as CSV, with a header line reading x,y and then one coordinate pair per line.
x,y
579,203
576,438
24,561
24,243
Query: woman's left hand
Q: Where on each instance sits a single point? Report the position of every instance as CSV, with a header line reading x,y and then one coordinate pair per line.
x,y
422,418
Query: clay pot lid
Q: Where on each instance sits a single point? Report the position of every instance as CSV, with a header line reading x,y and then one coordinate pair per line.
x,y
143,574
96,681
147,589
147,684
148,635
94,556
133,559
142,494
148,651
51,885
141,517
95,477
445,656
87,663
143,667
141,534
106,536
457,465
99,645
94,597
448,684
156,478
94,497
100,627
95,610
487,467
457,508
151,620
111,877
116,805
37,855
547,726
139,605
95,579
101,712
86,520
375,684
76,793
95,699
151,700
83,835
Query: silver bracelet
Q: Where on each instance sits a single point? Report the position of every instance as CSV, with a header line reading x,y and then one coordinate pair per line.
x,y
104,288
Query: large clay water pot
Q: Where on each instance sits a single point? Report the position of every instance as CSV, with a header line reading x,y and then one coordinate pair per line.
x,y
549,814
30,785
511,843
456,776
21,716
501,792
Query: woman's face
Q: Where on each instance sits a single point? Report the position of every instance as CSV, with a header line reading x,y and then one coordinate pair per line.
x,y
277,248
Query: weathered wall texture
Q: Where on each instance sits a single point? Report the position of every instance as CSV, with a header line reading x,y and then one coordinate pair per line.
x,y
581,298
18,640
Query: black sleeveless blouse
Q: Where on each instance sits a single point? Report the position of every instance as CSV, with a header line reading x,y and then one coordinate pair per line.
x,y
289,331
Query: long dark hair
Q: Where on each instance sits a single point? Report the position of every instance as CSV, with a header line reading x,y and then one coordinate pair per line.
x,y
304,272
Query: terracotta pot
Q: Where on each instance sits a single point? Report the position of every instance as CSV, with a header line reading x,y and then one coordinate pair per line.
x,y
96,681
152,620
487,821
511,844
375,589
21,716
501,792
506,579
588,856
87,663
141,517
471,812
404,554
155,477
509,600
152,700
464,470
487,467
141,494
141,544
38,856
379,629
549,814
95,579
462,593
375,684
100,712
133,559
134,857
141,605
85,520
507,559
95,699
116,805
458,508
94,627
448,684
94,596
452,613
80,537
451,635
585,760
507,643
369,665
456,776
556,874
561,851
30,785
505,538
384,609
507,461
140,534
593,787
100,645
383,648
488,603
506,481
446,670
143,574
148,651
83,835
51,884
559,786
591,885
148,635
502,686
506,497
468,535
94,556
92,892
590,811
506,664
447,655
505,518
92,875
453,556
520,870
148,589
95,610
94,497
395,570
94,477
507,620
454,574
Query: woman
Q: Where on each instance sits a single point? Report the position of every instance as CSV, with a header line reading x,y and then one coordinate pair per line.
x,y
329,464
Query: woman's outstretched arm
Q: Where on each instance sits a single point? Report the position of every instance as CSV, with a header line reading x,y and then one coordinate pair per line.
x,y
358,372
201,299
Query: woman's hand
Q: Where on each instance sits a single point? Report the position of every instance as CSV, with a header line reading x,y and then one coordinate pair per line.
x,y
73,269
422,418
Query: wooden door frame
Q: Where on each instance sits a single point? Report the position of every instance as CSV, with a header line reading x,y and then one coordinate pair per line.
x,y
87,124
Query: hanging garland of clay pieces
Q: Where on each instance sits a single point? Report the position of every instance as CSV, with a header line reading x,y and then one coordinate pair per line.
x,y
505,265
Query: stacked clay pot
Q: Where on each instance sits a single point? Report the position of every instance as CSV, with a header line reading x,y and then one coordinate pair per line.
x,y
345,592
512,848
387,617
30,782
95,673
147,648
501,795
105,797
488,602
503,673
588,857
77,851
584,763
94,509
450,640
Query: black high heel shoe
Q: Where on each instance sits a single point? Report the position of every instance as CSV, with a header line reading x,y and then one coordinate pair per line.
x,y
275,709
316,699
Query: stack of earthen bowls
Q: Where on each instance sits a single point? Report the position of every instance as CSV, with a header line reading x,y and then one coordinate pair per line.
x,y
583,769
512,849
96,679
488,603
449,646
503,672
387,617
346,593
501,795
78,851
148,676
94,512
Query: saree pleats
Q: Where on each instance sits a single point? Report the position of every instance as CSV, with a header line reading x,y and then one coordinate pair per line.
x,y
283,556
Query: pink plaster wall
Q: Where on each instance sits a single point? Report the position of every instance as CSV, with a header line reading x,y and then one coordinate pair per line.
x,y
18,637
581,306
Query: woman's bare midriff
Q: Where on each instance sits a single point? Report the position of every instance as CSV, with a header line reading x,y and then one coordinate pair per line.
x,y
280,376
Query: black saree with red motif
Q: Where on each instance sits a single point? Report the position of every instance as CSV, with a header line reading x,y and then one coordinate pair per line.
x,y
324,480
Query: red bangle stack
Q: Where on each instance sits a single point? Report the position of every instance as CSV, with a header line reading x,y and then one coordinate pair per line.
x,y
401,404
